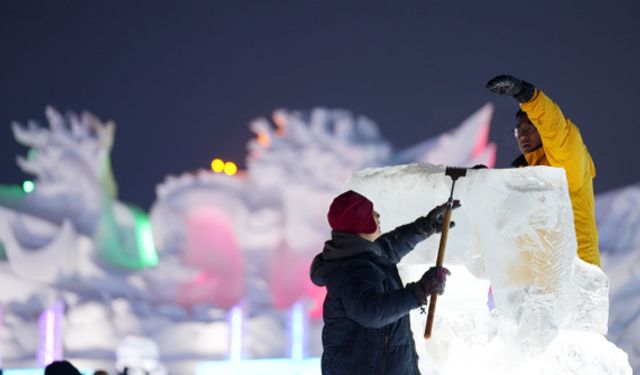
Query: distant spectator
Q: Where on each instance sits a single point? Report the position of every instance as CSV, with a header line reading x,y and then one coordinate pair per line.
x,y
100,372
61,368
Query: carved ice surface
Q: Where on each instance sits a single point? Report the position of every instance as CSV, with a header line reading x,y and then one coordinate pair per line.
x,y
515,232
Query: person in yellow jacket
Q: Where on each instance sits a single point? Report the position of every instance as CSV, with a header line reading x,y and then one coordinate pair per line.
x,y
546,137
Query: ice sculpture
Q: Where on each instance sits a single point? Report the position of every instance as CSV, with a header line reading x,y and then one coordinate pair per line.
x,y
275,211
467,145
618,220
202,234
139,355
515,232
75,195
71,239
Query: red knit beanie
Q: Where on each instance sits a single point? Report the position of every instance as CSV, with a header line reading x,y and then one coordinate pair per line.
x,y
353,213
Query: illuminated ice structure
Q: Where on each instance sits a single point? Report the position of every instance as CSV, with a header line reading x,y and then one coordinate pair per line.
x,y
74,196
182,306
237,291
68,247
514,232
271,220
268,222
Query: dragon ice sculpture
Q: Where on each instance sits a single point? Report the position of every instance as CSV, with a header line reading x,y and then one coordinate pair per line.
x,y
74,197
222,239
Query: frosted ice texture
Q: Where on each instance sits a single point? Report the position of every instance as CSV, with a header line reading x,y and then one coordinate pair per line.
x,y
514,231
618,220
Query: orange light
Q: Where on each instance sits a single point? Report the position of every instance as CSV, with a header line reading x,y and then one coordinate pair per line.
x,y
230,168
263,139
217,165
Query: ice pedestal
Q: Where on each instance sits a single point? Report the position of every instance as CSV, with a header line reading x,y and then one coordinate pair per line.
x,y
514,232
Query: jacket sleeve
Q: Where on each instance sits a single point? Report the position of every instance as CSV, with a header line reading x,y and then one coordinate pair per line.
x,y
561,140
365,301
400,241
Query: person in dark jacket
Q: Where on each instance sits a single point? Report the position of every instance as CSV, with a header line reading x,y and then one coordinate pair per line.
x,y
366,310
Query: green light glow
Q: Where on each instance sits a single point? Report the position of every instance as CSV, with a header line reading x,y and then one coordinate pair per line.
x,y
28,186
144,238
126,245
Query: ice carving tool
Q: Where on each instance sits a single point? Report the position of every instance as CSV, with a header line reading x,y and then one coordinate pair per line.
x,y
454,173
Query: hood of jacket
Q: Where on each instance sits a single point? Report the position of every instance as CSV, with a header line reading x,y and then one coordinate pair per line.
x,y
342,245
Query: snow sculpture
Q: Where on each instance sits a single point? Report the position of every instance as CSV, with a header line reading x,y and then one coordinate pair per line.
x,y
618,221
467,145
204,242
299,162
139,355
75,195
269,220
514,230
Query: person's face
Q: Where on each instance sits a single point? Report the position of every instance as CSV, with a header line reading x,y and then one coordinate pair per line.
x,y
376,218
527,136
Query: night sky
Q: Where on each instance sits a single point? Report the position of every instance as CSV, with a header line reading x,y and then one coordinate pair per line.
x,y
182,79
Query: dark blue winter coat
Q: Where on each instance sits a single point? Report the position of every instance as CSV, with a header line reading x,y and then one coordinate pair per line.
x,y
366,310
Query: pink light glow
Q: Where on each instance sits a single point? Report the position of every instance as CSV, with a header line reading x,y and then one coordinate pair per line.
x,y
491,157
482,137
482,145
317,296
212,248
290,283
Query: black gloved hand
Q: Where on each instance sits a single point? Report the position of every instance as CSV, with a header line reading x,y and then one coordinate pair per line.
x,y
432,223
432,281
521,90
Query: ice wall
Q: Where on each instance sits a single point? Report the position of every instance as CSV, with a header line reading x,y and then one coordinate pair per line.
x,y
515,232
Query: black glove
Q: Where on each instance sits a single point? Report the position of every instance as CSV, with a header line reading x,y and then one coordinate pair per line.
x,y
433,281
432,223
522,91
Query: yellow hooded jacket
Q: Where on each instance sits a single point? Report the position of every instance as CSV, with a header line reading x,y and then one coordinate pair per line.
x,y
562,146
